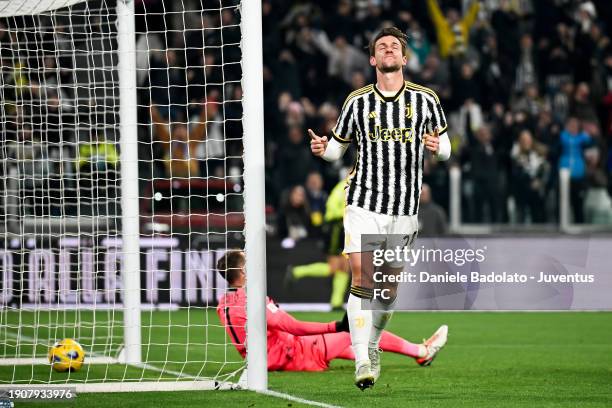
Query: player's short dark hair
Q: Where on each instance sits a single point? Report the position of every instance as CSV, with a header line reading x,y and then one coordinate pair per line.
x,y
229,264
394,32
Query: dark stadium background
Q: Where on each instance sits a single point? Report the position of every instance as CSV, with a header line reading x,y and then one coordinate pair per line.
x,y
527,70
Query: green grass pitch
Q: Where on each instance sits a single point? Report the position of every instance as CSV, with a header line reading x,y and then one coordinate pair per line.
x,y
492,359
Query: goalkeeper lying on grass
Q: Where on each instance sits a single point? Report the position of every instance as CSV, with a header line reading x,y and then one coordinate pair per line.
x,y
294,345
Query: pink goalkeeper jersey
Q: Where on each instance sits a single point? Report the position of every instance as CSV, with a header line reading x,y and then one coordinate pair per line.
x,y
283,329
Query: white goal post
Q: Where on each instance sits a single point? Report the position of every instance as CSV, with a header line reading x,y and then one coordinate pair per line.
x,y
84,253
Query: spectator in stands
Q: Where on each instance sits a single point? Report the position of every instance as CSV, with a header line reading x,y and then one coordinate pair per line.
x,y
529,178
465,86
530,58
317,197
295,214
97,174
528,65
505,22
573,142
467,120
482,161
597,202
435,75
452,31
418,42
581,106
204,76
371,19
561,101
286,73
180,143
546,133
530,101
342,23
435,175
558,58
168,84
343,58
589,40
495,73
432,218
294,160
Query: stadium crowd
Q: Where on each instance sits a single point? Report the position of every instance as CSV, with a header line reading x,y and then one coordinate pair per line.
x,y
526,86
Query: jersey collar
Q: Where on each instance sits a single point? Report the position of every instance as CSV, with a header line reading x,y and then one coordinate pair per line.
x,y
390,98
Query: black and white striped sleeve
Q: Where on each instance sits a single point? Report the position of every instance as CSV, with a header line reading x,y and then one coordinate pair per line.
x,y
436,118
345,126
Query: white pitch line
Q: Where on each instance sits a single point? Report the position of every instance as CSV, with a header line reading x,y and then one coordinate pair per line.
x,y
296,399
145,366
222,384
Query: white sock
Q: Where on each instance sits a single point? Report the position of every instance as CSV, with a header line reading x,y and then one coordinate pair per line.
x,y
360,324
381,314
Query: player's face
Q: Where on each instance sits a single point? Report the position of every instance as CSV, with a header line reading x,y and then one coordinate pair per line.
x,y
388,55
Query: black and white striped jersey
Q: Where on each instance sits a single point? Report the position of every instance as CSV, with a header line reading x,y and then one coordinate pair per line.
x,y
389,134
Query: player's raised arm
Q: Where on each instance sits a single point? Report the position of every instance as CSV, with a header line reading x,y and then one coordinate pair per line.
x,y
432,141
439,145
328,150
317,144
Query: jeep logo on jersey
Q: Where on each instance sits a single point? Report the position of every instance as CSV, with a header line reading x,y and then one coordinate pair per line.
x,y
384,134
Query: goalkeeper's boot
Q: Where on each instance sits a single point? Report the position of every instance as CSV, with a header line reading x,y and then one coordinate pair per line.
x,y
363,375
374,354
434,344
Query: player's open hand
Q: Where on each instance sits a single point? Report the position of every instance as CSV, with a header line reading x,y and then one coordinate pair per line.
x,y
317,144
432,141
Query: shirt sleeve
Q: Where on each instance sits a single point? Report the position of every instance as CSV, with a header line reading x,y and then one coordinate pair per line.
x,y
283,321
345,125
435,116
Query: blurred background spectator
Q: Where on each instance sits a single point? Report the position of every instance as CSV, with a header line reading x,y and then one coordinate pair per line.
x,y
432,218
509,75
526,85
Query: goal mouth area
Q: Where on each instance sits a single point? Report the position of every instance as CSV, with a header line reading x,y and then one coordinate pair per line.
x,y
134,386
175,349
143,377
125,185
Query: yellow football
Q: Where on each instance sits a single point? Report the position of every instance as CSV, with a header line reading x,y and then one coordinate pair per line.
x,y
66,355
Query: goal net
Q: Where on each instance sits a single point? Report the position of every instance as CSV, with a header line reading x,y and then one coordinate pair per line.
x,y
122,186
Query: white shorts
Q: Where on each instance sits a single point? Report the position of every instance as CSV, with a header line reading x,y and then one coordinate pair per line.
x,y
392,230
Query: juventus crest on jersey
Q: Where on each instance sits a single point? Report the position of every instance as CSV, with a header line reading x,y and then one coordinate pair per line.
x,y
389,133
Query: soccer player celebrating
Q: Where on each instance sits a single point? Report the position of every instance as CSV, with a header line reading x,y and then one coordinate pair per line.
x,y
392,122
295,345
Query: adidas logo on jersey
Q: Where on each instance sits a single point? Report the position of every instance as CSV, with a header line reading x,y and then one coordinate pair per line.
x,y
372,115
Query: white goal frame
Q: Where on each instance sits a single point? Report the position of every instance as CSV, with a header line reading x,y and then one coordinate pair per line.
x,y
254,203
